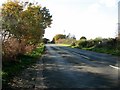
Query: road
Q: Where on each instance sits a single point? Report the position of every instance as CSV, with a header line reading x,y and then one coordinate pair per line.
x,y
64,67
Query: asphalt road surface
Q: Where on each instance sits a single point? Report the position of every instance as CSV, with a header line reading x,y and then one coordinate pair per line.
x,y
64,67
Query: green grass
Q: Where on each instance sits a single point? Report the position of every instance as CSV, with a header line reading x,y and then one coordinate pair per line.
x,y
12,68
64,45
106,50
112,51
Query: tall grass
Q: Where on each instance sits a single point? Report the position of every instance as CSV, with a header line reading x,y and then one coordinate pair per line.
x,y
12,68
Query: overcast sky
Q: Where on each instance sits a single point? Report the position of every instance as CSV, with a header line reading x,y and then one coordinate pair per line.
x,y
89,18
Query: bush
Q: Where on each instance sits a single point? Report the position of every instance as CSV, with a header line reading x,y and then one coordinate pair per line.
x,y
11,48
73,44
13,68
68,41
82,43
90,43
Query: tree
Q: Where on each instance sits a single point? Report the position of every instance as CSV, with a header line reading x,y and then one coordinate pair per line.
x,y
28,24
69,36
45,40
83,38
24,22
10,18
59,36
73,37
98,40
53,40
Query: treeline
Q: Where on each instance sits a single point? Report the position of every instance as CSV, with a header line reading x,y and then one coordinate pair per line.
x,y
23,26
103,45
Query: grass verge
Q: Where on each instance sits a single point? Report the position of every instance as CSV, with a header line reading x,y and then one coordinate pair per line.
x,y
12,68
64,45
105,50
112,51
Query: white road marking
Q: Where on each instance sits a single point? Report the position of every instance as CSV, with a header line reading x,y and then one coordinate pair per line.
x,y
85,56
114,67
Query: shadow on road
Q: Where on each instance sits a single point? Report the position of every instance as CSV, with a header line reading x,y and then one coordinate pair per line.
x,y
65,76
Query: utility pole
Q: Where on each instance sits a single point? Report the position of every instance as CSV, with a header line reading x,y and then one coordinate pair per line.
x,y
119,19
